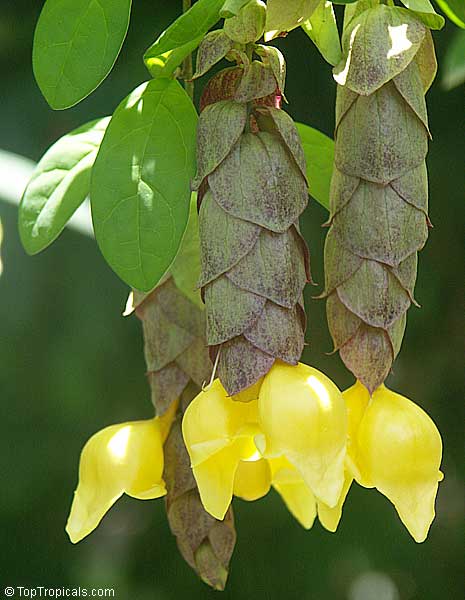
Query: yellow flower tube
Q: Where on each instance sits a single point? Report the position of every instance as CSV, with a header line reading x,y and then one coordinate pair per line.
x,y
124,458
303,417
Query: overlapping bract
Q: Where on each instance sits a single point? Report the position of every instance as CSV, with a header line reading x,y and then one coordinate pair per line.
x,y
287,431
379,190
178,364
205,543
254,262
174,342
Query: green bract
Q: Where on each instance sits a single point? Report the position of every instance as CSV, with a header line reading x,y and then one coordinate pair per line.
x,y
379,190
215,45
285,15
140,182
249,24
232,7
59,185
254,262
76,43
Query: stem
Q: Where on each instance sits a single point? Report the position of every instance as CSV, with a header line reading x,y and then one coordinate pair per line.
x,y
187,67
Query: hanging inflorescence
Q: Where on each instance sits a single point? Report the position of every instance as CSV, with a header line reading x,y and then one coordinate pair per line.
x,y
252,181
236,412
379,190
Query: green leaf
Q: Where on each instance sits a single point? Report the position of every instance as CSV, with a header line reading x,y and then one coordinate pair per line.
x,y
58,186
344,1
232,7
181,38
319,154
424,10
76,44
321,28
285,15
186,266
140,187
454,10
454,62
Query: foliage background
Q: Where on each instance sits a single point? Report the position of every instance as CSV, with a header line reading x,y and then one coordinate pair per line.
x,y
70,364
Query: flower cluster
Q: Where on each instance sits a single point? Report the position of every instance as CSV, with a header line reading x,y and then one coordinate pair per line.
x,y
288,431
293,431
296,432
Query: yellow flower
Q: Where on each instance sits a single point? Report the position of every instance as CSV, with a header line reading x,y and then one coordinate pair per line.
x,y
396,448
224,435
219,432
303,417
124,458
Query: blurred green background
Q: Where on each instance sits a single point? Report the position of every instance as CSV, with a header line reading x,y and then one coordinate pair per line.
x,y
70,364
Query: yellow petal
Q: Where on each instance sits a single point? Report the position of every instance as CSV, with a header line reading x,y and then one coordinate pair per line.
x,y
118,459
357,399
401,449
303,417
253,479
295,493
218,433
215,480
212,421
330,517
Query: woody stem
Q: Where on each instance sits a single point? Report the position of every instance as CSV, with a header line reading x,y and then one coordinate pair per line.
x,y
187,67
